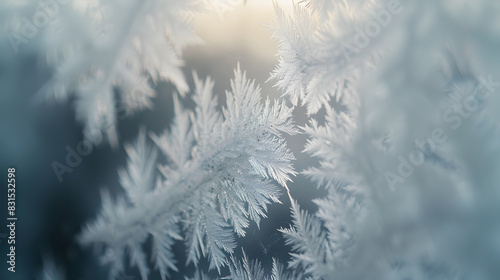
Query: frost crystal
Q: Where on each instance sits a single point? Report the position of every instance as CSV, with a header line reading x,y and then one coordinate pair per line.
x,y
218,177
408,141
99,47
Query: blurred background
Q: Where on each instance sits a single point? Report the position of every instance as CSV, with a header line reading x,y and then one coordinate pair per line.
x,y
51,214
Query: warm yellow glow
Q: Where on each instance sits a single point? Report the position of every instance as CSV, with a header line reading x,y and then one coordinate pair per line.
x,y
244,27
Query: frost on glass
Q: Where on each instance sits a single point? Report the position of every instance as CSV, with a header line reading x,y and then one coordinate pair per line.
x,y
401,101
215,174
100,48
408,141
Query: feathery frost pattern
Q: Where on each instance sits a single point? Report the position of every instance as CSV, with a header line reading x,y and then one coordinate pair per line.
x,y
315,66
217,177
411,119
245,269
403,104
98,47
